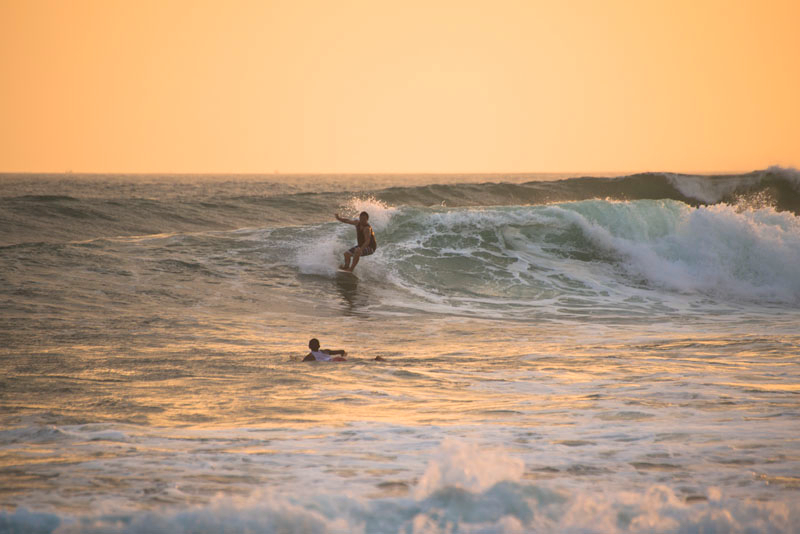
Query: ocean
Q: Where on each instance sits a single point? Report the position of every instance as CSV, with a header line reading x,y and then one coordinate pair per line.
x,y
561,354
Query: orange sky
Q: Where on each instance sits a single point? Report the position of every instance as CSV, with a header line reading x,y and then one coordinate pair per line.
x,y
398,86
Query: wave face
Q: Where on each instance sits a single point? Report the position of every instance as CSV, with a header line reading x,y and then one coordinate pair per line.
x,y
512,258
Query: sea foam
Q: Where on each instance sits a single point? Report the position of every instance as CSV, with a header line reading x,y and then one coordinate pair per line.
x,y
459,492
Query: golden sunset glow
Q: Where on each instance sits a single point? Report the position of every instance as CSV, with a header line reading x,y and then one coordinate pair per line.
x,y
413,86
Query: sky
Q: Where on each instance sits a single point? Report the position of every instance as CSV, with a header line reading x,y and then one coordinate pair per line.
x,y
405,86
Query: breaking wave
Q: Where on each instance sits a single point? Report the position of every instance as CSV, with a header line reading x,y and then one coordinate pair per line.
x,y
463,490
485,257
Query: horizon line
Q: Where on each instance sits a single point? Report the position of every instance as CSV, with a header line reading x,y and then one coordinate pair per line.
x,y
382,173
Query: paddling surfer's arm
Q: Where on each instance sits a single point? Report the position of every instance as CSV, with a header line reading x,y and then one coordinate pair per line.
x,y
346,221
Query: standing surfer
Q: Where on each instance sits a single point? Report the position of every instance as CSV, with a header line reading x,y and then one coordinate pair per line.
x,y
366,240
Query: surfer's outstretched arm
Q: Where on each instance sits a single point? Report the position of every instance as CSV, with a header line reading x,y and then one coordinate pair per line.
x,y
346,221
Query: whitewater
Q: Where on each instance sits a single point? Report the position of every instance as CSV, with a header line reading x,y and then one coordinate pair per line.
x,y
587,354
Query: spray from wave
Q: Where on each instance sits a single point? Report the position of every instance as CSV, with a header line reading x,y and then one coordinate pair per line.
x,y
322,253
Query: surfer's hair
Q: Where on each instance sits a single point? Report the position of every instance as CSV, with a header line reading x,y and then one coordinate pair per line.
x,y
313,344
364,213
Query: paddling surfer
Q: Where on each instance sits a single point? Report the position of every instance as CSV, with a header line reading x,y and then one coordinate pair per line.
x,y
328,355
366,240
323,355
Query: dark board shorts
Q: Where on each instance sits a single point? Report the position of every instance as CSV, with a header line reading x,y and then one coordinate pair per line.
x,y
366,251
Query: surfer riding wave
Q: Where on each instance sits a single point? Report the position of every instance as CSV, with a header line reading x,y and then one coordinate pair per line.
x,y
366,240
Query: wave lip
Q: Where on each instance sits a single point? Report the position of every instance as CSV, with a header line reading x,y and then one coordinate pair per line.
x,y
776,185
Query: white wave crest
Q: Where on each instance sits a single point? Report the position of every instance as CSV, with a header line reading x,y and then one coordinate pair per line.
x,y
749,254
504,508
468,467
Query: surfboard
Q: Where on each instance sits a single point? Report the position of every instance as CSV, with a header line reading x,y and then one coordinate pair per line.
x,y
342,271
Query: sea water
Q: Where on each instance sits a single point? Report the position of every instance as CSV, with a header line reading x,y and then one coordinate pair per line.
x,y
561,354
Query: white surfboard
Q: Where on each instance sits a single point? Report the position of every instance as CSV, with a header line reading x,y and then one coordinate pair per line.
x,y
346,276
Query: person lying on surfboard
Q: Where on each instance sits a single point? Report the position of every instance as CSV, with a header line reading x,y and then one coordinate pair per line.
x,y
323,355
366,240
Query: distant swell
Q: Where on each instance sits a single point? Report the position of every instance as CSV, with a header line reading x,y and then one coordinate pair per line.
x,y
776,187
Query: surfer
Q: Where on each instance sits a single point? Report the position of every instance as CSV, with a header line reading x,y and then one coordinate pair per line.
x,y
366,240
323,355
